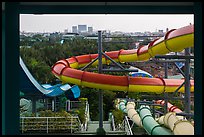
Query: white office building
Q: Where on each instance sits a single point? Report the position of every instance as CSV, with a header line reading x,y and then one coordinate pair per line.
x,y
90,29
74,29
82,28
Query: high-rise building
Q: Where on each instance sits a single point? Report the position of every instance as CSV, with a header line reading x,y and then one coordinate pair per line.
x,y
82,28
90,29
74,29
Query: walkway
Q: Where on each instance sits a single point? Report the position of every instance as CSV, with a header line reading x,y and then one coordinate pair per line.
x,y
93,125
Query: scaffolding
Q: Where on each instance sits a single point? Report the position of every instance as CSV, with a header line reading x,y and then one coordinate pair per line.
x,y
168,58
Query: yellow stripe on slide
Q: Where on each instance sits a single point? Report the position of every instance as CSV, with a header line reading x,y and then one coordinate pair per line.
x,y
181,42
66,79
144,56
146,88
82,65
96,62
109,61
192,89
104,86
173,88
128,58
158,49
74,65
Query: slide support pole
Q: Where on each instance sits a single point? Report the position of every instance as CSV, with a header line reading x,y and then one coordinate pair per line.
x,y
187,83
100,130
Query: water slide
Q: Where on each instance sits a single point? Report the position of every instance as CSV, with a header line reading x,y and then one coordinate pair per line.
x,y
178,124
129,109
149,123
174,40
170,107
142,118
28,82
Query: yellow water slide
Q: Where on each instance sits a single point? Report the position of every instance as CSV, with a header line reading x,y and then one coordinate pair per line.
x,y
174,41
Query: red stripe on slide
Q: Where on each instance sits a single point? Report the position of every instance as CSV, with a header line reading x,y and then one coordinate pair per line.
x,y
145,81
192,82
64,61
113,54
127,52
142,50
83,59
93,56
105,79
151,43
72,60
182,31
57,68
173,82
73,73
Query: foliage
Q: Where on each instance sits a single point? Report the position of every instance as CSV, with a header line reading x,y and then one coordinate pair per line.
x,y
118,116
40,53
49,113
60,122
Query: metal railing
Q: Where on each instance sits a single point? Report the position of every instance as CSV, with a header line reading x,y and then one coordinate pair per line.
x,y
113,122
87,117
125,126
50,124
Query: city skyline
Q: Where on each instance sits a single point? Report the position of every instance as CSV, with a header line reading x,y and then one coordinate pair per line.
x,y
110,22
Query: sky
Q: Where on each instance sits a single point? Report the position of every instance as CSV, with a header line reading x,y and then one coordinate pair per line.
x,y
112,22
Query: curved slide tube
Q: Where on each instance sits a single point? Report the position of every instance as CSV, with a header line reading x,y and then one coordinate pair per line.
x,y
129,109
170,107
47,89
132,114
122,106
174,41
24,104
149,124
177,125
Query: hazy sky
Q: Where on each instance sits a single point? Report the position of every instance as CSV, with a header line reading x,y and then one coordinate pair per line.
x,y
112,22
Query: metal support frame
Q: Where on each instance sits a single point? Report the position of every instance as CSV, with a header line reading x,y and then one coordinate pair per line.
x,y
100,66
187,56
166,94
186,75
34,104
187,82
100,70
89,64
179,69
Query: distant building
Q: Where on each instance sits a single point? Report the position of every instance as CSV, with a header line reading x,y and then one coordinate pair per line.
x,y
82,28
74,29
69,36
90,29
66,31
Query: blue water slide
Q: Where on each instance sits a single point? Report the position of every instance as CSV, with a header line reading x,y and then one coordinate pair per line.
x,y
29,85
